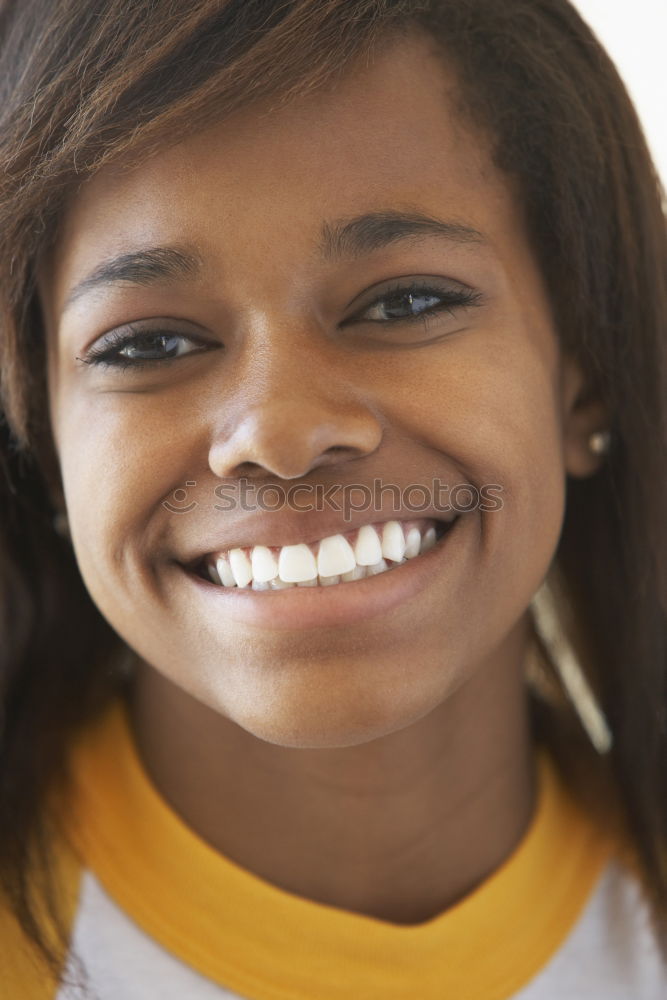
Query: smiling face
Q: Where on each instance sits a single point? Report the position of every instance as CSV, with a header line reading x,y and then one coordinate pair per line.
x,y
296,362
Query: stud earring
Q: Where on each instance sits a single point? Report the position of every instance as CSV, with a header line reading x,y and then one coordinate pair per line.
x,y
61,524
565,662
600,442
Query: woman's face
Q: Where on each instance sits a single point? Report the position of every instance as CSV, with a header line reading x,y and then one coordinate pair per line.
x,y
289,369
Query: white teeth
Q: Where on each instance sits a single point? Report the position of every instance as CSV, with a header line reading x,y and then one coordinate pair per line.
x,y
367,548
413,543
225,572
296,564
241,567
393,541
335,556
375,550
264,564
428,541
358,573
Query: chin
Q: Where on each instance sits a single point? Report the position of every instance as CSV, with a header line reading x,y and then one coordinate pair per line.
x,y
313,719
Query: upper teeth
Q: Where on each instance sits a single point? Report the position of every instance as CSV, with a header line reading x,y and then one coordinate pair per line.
x,y
330,560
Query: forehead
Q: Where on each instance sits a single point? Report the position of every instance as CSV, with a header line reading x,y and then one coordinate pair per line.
x,y
386,134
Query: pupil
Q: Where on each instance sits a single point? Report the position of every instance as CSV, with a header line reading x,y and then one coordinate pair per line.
x,y
398,310
164,343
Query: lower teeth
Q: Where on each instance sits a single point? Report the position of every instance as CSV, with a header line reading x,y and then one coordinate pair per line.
x,y
325,581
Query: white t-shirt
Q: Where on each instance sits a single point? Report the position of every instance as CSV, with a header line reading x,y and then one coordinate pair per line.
x,y
154,911
609,954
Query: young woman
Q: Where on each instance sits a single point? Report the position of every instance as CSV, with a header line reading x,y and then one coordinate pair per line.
x,y
334,559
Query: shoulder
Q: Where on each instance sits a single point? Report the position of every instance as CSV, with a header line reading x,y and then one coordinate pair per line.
x,y
613,949
619,918
24,974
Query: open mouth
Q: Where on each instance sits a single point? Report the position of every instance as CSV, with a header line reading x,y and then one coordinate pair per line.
x,y
370,550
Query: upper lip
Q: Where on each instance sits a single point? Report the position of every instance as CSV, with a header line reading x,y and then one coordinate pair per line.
x,y
276,530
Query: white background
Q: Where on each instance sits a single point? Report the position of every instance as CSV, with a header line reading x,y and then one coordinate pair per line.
x,y
634,33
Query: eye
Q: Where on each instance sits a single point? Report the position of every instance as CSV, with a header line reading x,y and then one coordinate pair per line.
x,y
412,301
132,348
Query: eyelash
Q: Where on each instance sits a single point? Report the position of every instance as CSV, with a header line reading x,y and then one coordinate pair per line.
x,y
108,354
450,299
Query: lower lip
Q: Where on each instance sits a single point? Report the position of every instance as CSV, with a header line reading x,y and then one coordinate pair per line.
x,y
340,604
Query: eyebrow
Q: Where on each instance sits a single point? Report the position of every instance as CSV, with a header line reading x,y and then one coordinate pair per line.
x,y
364,234
147,266
344,239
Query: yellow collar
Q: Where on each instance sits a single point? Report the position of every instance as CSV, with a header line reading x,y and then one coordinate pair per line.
x,y
266,943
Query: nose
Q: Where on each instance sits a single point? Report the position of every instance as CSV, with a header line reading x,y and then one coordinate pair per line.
x,y
293,425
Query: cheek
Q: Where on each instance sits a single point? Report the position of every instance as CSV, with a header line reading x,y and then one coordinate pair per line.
x,y
121,456
488,401
488,404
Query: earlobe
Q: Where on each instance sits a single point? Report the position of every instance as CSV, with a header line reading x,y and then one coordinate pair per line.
x,y
585,422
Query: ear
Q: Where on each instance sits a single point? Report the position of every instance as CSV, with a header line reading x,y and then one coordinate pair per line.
x,y
583,413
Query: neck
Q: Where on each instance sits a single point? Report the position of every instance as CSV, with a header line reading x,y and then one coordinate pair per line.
x,y
399,828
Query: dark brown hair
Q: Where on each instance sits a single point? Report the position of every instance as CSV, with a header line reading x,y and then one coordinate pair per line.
x,y
85,82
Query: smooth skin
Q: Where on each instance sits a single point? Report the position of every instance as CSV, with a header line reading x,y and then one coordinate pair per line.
x,y
384,767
